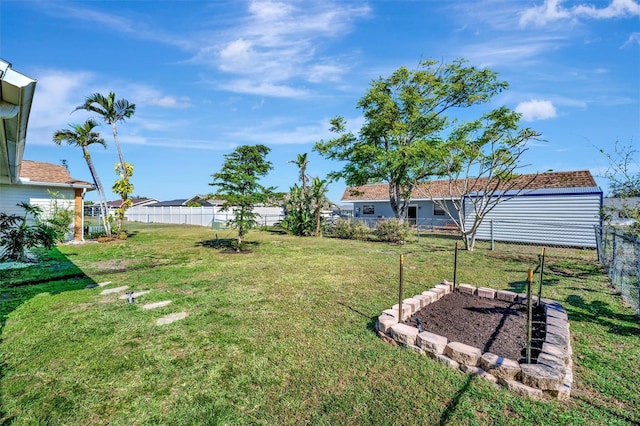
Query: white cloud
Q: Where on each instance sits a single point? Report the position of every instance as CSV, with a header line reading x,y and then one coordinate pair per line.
x,y
552,10
282,42
149,96
263,89
536,109
634,39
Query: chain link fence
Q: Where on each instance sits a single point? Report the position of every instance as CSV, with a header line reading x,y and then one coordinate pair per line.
x,y
620,255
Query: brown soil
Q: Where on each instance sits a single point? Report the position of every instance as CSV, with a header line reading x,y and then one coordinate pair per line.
x,y
489,324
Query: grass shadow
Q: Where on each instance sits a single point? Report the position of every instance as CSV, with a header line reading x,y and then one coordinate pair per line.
x,y
54,274
600,313
227,244
455,401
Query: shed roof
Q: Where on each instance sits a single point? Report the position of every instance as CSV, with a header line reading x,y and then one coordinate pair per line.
x,y
38,173
440,188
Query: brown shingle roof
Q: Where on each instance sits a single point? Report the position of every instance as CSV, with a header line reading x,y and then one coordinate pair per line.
x,y
440,188
39,172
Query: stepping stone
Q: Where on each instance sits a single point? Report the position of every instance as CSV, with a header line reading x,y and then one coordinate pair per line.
x,y
135,294
156,305
114,290
94,285
171,318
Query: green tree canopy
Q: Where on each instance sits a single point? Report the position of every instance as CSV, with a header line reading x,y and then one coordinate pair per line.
x,y
405,124
239,187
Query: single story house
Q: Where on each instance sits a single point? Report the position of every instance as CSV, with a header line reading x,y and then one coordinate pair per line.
x,y
553,208
42,185
29,181
198,200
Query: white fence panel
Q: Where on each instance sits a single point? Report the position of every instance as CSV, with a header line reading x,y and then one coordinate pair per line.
x,y
199,216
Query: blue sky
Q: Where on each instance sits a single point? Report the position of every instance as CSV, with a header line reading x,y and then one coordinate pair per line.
x,y
208,76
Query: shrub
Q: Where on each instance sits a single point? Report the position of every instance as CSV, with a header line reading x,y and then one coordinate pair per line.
x,y
350,229
18,236
60,217
392,231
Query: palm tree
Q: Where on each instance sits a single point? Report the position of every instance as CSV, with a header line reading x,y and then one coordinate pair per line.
x,y
82,135
319,200
302,163
112,111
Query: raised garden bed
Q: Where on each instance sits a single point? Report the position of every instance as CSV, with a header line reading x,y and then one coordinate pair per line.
x,y
481,331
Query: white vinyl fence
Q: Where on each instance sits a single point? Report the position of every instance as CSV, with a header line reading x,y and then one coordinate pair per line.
x,y
200,216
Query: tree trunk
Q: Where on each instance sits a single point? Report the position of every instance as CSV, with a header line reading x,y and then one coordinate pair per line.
x,y
115,139
103,200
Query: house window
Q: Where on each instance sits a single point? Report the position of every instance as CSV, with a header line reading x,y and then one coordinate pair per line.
x,y
368,209
438,211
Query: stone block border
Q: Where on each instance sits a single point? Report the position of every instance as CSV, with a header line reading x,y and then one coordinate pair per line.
x,y
551,376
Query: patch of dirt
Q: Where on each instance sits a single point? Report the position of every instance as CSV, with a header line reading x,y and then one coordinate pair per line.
x,y
491,325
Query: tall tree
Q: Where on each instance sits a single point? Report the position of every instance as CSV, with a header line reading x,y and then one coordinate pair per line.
x,y
480,160
623,174
112,112
83,136
319,201
239,186
302,162
299,216
405,119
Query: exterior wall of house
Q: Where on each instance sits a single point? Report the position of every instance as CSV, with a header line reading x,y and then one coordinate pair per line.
x,y
426,213
11,195
545,217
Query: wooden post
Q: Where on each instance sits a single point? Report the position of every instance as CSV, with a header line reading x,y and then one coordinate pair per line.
x,y
77,216
455,265
541,272
400,288
529,314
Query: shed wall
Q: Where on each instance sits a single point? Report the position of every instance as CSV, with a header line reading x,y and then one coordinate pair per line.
x,y
561,220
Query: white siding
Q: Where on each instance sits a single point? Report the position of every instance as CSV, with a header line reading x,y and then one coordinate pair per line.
x,y
11,195
553,219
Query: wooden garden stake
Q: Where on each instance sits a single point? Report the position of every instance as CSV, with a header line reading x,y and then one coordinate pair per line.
x,y
541,272
529,314
400,288
455,265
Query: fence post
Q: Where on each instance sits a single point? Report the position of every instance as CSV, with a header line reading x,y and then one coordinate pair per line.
x,y
529,314
638,270
400,288
491,227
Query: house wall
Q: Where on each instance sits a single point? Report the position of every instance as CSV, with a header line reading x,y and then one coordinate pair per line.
x,y
426,216
558,219
11,195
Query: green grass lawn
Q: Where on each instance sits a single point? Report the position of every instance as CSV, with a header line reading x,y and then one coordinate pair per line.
x,y
283,335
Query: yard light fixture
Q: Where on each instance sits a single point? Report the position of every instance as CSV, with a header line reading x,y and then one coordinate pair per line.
x,y
130,297
419,324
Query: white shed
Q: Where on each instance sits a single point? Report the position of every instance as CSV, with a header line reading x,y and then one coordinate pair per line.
x,y
548,216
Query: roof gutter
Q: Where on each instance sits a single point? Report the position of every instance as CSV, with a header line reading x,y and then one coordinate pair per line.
x,y
27,182
16,96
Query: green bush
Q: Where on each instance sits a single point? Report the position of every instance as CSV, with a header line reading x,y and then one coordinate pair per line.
x,y
350,229
392,231
18,236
